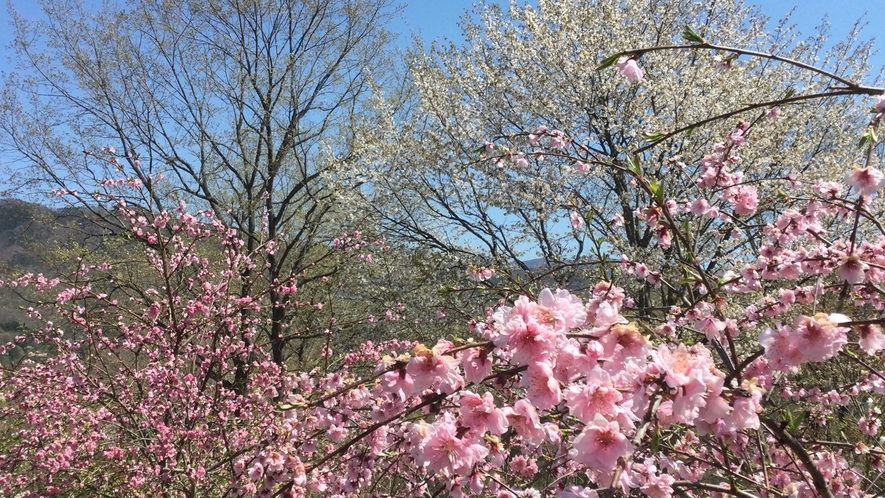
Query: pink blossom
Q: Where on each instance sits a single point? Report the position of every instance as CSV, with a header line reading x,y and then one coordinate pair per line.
x,y
880,103
820,338
711,327
576,220
564,309
745,200
629,68
658,486
866,181
428,368
528,341
596,396
542,388
557,139
600,444
477,365
444,451
623,341
780,347
872,340
853,269
481,414
581,167
699,207
662,234
577,492
480,274
524,419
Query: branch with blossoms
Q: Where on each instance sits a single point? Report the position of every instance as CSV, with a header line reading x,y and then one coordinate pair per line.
x,y
735,384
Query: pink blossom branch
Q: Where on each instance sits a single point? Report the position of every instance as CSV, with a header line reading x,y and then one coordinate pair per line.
x,y
713,487
820,482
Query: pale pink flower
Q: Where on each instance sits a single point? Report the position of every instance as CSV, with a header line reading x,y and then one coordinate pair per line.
x,y
600,445
711,327
853,270
662,235
820,338
428,368
542,388
480,274
880,103
828,189
564,309
399,383
524,419
477,365
481,414
698,207
679,365
870,426
557,139
872,340
577,492
658,486
596,396
629,68
780,347
528,341
866,181
624,340
607,314
445,452
736,137
745,200
576,220
581,167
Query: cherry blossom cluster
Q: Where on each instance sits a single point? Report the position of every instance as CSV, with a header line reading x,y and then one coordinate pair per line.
x,y
170,388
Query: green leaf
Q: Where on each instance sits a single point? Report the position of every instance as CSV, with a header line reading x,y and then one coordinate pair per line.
x,y
694,277
795,422
689,34
656,441
635,166
608,62
869,137
652,137
655,187
657,191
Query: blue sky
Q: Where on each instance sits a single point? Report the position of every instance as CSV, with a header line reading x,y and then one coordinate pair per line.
x,y
435,19
438,18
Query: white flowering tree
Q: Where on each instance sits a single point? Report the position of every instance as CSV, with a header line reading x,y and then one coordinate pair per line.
x,y
526,81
